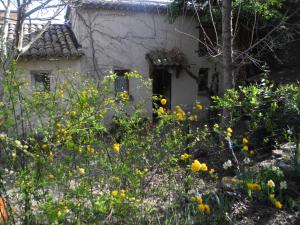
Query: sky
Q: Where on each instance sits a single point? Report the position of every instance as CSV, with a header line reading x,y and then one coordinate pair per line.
x,y
41,15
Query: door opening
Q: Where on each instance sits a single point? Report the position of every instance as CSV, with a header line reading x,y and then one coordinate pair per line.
x,y
161,88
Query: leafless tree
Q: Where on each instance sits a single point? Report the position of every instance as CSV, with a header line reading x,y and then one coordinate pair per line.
x,y
25,11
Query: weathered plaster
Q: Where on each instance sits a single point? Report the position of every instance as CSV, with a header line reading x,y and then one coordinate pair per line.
x,y
113,39
55,66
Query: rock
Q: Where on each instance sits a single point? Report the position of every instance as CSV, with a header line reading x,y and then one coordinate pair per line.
x,y
277,153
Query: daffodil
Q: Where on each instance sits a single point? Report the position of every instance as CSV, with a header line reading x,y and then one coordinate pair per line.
x,y
229,130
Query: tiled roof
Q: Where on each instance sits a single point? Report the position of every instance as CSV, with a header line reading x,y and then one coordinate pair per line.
x,y
128,5
163,58
58,40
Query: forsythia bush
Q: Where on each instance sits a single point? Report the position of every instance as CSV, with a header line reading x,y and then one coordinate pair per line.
x,y
79,154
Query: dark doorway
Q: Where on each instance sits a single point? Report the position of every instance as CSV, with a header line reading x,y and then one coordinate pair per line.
x,y
161,87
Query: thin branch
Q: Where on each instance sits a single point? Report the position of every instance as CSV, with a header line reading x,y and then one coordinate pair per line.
x,y
3,3
41,6
237,20
213,22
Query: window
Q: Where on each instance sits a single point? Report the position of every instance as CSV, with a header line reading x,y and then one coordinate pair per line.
x,y
122,81
202,81
41,80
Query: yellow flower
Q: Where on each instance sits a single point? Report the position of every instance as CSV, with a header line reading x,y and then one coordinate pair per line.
x,y
117,179
116,147
216,126
114,193
81,171
212,171
51,176
196,166
180,114
199,200
278,204
271,183
245,141
229,130
67,113
193,118
73,113
253,186
229,134
51,156
90,149
163,101
161,111
272,197
203,167
122,193
45,146
198,105
193,199
204,208
61,93
245,148
185,156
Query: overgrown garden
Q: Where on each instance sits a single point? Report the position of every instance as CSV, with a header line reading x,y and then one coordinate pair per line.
x,y
81,155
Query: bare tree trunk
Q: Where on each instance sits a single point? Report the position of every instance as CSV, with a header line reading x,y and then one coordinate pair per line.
x,y
5,29
227,36
4,52
227,41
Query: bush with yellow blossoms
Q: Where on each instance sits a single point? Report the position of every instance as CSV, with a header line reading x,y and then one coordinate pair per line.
x,y
63,163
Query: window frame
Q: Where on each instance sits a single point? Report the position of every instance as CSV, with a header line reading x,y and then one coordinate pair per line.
x,y
45,79
121,73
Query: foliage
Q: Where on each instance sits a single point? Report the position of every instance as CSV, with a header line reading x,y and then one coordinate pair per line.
x,y
264,110
62,162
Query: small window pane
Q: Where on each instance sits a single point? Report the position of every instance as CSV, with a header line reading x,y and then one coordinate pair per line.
x,y
41,81
121,82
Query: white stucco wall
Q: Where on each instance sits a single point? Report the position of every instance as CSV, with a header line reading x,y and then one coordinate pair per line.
x,y
58,68
113,39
